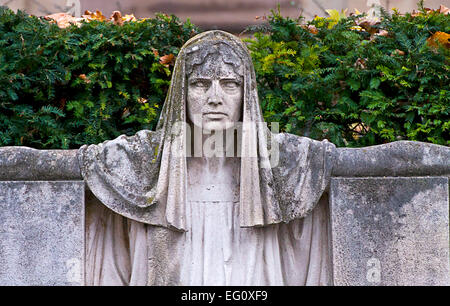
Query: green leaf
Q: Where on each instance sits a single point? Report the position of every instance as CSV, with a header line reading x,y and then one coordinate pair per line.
x,y
374,83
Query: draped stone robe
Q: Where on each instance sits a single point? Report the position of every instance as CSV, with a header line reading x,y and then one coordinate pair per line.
x,y
214,252
215,249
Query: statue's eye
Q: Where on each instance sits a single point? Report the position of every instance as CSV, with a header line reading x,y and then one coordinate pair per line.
x,y
201,84
230,84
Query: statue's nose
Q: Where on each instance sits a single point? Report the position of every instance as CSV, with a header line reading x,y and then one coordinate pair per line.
x,y
214,94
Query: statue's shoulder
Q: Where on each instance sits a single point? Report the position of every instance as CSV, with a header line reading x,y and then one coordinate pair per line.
x,y
291,142
301,173
138,141
298,151
291,138
134,149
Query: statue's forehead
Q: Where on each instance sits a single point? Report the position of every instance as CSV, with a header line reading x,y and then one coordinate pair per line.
x,y
213,59
213,67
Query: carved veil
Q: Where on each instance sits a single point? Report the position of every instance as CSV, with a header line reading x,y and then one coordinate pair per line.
x,y
141,177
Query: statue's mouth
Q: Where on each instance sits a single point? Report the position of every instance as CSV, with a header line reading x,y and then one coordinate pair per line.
x,y
215,115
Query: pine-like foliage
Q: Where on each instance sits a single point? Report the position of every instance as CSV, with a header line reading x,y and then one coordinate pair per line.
x,y
61,88
353,81
357,81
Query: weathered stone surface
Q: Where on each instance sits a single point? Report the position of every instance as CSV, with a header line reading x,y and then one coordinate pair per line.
x,y
27,164
42,233
390,231
400,158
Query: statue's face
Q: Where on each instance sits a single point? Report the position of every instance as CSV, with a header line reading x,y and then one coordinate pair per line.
x,y
214,98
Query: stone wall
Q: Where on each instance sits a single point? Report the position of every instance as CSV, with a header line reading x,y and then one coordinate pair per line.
x,y
385,230
389,216
41,233
390,231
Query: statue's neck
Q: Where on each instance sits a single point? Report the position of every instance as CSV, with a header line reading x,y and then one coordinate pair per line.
x,y
213,147
213,169
206,176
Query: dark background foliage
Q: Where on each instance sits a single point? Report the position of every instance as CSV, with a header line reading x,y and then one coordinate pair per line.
x,y
353,82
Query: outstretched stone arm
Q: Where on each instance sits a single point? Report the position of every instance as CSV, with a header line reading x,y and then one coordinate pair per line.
x,y
23,163
400,158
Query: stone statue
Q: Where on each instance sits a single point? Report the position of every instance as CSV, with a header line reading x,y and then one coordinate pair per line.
x,y
250,209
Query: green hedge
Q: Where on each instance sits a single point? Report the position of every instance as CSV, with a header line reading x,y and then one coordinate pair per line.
x,y
354,81
61,88
329,78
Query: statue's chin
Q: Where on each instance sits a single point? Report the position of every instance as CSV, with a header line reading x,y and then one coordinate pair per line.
x,y
217,126
208,125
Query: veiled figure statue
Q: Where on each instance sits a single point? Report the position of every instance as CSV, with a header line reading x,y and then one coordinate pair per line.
x,y
208,220
169,208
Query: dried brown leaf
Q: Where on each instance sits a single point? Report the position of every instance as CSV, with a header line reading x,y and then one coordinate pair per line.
x,y
167,60
444,10
360,63
116,18
63,20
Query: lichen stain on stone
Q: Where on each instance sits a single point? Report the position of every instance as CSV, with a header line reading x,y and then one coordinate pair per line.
x,y
155,154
